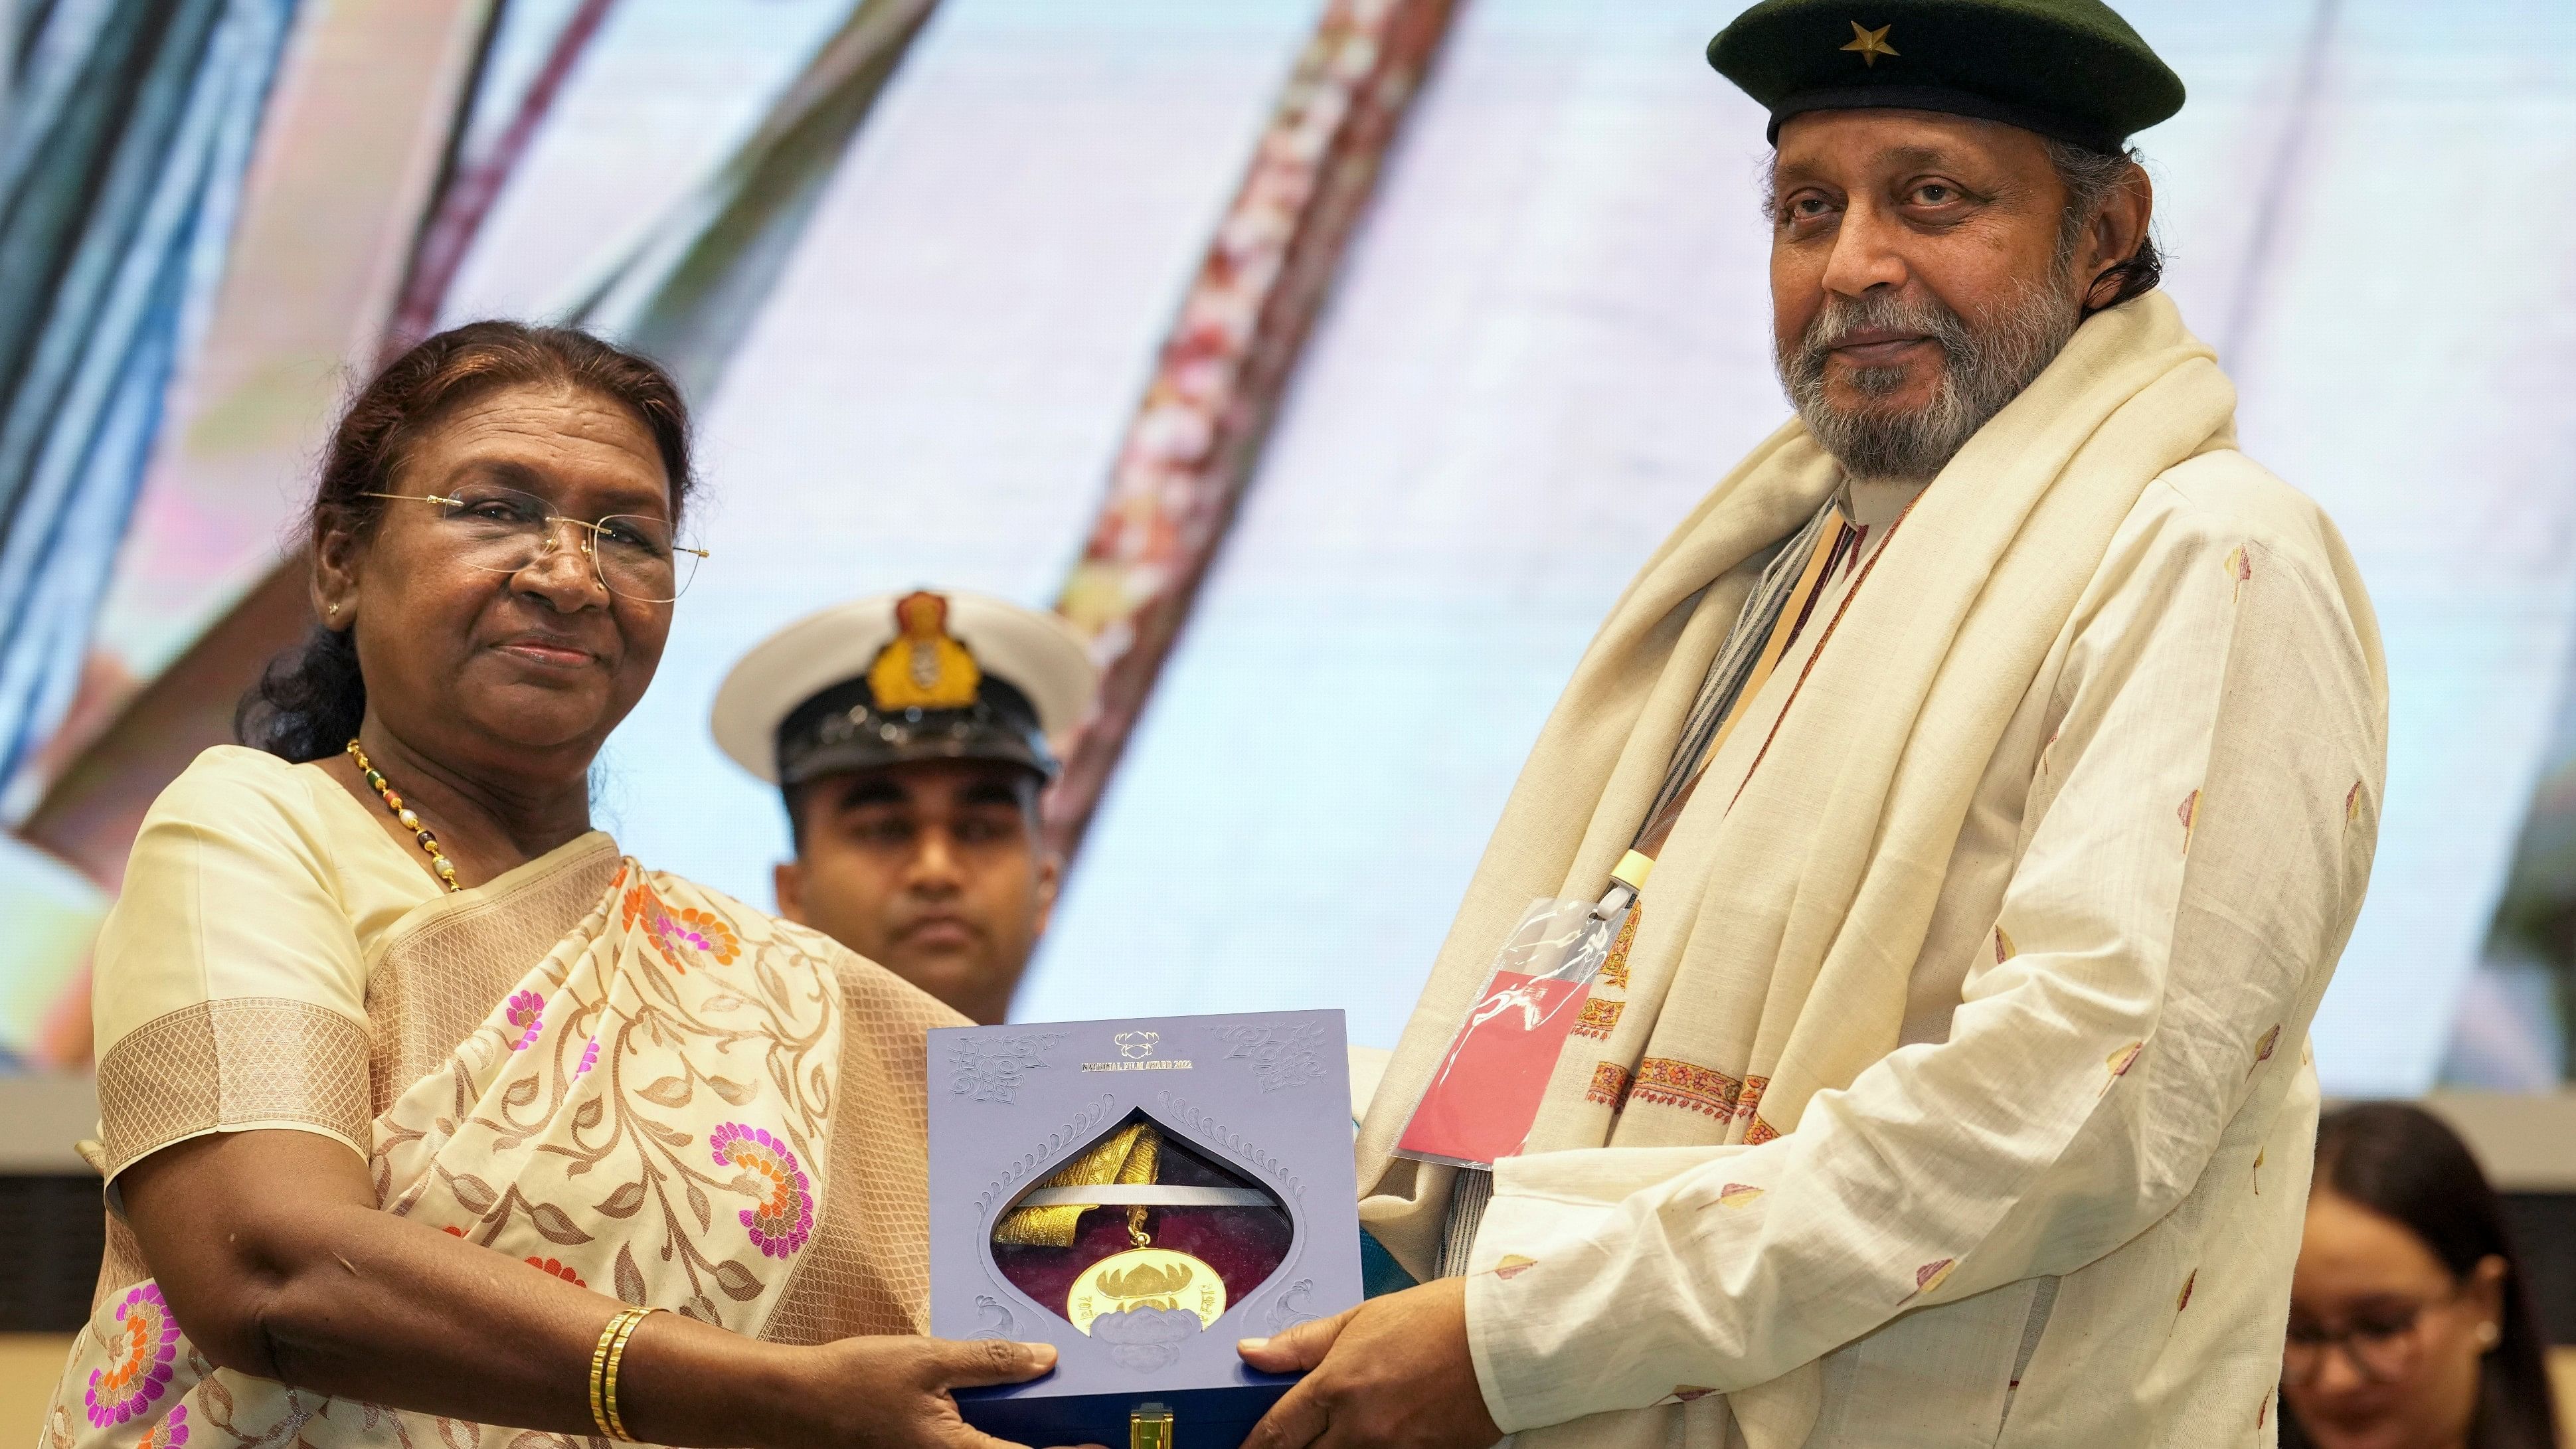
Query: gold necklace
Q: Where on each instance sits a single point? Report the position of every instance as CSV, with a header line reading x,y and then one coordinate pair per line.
x,y
438,860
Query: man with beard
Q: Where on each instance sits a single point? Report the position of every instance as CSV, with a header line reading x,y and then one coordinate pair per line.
x,y
910,738
1981,784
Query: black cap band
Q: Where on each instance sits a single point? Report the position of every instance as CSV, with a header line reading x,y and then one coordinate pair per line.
x,y
841,730
1946,102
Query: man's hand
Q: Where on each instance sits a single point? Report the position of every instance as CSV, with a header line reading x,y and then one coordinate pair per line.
x,y
1393,1372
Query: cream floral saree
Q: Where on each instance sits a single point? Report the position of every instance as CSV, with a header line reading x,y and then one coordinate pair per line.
x,y
682,1102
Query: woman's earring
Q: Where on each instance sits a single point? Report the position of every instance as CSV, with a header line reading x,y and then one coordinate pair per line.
x,y
334,609
2489,1335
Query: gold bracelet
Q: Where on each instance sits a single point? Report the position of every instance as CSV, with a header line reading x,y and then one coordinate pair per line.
x,y
617,1352
603,1370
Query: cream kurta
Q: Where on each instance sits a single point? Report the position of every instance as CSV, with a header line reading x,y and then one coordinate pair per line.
x,y
2149,824
1946,1084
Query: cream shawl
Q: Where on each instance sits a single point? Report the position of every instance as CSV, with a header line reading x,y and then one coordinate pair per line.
x,y
1770,953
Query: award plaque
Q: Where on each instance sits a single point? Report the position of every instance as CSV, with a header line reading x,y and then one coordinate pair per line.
x,y
1141,1193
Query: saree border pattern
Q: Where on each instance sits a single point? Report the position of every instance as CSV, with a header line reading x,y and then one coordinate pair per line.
x,y
230,1063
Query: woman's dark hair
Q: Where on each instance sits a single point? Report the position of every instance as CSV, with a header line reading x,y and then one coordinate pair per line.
x,y
2400,1162
308,703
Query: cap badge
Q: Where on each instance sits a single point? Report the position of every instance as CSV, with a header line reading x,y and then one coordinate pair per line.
x,y
923,668
1870,44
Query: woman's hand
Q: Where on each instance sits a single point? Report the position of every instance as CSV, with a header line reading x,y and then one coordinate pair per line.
x,y
891,1393
277,1262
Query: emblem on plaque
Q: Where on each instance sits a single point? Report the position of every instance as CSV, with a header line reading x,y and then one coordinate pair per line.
x,y
1145,1277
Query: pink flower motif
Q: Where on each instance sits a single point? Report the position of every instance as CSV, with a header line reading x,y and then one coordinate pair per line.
x,y
525,1011
785,1217
589,1058
145,1342
170,1433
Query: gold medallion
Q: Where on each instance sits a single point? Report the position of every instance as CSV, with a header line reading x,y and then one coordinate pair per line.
x,y
1145,1278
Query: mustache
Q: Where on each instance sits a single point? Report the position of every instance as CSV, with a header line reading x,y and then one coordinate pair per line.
x,y
1842,318
1983,366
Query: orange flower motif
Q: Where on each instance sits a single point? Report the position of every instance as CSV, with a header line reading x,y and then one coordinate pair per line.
x,y
2239,564
1513,1265
549,1265
1738,1194
704,931
681,933
1933,1274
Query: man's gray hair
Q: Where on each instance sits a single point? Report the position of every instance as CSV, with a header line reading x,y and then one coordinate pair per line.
x,y
2091,179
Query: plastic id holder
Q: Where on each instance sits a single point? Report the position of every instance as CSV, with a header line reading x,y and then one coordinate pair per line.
x,y
1485,1093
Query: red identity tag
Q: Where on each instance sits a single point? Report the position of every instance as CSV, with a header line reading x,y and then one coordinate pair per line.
x,y
1485,1093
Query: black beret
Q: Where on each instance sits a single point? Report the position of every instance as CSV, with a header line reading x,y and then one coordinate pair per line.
x,y
2068,69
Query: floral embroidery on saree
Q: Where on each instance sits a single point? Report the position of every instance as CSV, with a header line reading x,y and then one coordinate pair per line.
x,y
685,934
784,1217
142,1345
526,1011
170,1433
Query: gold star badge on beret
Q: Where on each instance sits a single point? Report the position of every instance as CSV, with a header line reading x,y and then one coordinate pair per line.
x,y
2070,70
1871,44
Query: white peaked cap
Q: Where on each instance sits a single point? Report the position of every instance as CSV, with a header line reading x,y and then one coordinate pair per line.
x,y
1036,653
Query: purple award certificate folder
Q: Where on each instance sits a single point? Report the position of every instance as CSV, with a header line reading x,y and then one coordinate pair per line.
x,y
1141,1193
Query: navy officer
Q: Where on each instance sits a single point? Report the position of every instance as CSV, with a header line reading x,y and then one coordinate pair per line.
x,y
910,736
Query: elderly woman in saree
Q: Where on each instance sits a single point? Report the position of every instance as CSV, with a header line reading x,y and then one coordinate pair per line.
x,y
420,1103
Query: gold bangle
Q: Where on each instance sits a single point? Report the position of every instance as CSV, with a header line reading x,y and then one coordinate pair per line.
x,y
603,1369
616,1353
598,1371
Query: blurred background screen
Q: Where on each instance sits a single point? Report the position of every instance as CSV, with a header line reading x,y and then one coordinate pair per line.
x,y
934,271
